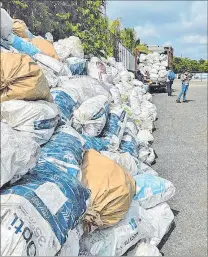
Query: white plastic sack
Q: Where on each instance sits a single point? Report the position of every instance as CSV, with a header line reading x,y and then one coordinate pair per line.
x,y
146,154
58,67
37,118
152,190
112,61
146,249
153,71
116,96
137,83
84,87
160,218
96,69
67,47
49,37
50,76
147,97
164,63
115,241
125,160
19,153
6,24
125,76
115,126
144,136
71,246
90,118
120,66
132,127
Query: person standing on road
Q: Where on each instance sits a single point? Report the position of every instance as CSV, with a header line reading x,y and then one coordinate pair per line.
x,y
140,76
185,79
170,78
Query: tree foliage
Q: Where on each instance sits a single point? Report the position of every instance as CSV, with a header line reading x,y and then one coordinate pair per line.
x,y
181,64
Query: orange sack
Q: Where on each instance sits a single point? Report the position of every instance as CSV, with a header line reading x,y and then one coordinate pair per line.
x,y
112,190
22,78
45,47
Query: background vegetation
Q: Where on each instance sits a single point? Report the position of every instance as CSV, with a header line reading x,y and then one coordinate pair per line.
x,y
85,19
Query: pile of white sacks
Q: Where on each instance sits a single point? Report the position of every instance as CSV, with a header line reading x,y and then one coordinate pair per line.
x,y
155,64
97,104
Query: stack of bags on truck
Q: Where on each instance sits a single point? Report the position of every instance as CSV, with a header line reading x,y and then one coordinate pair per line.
x,y
76,175
155,64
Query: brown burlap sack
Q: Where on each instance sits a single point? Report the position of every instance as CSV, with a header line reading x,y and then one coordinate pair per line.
x,y
45,47
112,191
22,78
19,28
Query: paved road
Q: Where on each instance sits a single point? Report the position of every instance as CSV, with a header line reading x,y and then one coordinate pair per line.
x,y
181,146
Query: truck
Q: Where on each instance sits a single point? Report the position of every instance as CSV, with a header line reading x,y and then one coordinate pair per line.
x,y
168,50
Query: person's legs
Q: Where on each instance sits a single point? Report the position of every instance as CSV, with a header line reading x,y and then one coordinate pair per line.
x,y
185,93
168,88
181,93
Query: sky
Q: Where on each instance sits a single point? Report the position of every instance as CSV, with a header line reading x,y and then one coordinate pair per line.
x,y
181,24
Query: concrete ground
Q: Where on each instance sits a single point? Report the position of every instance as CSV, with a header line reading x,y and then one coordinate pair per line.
x,y
181,146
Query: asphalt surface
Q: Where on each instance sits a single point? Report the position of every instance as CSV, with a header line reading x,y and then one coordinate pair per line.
x,y
181,146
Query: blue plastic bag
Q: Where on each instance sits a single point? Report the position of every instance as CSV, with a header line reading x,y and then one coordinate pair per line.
x,y
114,128
96,143
65,103
152,190
23,46
64,150
66,190
129,144
77,66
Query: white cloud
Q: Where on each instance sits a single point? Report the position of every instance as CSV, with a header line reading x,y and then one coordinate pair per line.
x,y
146,31
194,39
196,17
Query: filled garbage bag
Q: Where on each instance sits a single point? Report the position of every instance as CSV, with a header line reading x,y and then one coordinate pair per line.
x,y
161,218
22,78
65,151
50,75
125,160
96,69
19,153
116,96
115,241
77,66
90,118
129,143
37,118
144,137
112,190
66,103
23,46
67,47
20,29
84,86
146,154
152,190
38,212
45,46
6,24
146,249
72,247
96,143
115,126
58,67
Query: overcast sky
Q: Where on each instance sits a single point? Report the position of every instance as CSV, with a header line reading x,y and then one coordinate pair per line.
x,y
182,24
